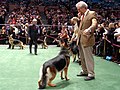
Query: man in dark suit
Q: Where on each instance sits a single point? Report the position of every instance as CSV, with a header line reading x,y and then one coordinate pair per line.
x,y
86,40
33,36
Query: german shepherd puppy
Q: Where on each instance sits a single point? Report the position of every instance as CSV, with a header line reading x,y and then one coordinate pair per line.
x,y
74,50
15,42
50,68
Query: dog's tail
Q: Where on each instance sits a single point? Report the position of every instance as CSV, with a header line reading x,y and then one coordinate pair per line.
x,y
43,78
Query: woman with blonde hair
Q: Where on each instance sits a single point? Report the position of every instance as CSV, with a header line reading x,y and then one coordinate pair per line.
x,y
75,21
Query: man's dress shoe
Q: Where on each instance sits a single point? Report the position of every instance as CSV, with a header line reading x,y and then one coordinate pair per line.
x,y
82,74
88,78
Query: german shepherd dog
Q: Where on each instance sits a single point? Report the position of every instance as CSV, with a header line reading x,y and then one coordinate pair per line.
x,y
15,42
74,50
50,68
43,43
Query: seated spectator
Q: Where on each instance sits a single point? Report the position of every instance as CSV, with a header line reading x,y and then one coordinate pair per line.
x,y
3,35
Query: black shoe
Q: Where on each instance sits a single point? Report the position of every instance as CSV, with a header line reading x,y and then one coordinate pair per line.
x,y
82,74
36,54
88,78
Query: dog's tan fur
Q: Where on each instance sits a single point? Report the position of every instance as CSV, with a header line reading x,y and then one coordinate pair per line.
x,y
52,71
11,41
44,44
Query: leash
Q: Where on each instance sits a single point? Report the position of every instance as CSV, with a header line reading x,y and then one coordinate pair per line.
x,y
113,43
50,37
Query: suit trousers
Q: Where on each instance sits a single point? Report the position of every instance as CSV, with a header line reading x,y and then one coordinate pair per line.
x,y
87,60
32,41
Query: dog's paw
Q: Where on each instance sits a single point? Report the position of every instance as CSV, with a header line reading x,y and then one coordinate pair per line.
x,y
62,78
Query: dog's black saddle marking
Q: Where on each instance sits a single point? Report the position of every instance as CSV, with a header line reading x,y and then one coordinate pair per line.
x,y
59,62
16,41
74,47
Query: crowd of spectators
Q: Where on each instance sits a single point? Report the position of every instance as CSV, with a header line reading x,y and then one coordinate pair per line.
x,y
61,14
18,19
3,12
57,17
107,42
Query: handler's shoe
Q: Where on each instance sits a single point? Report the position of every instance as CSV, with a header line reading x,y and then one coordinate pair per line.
x,y
82,74
88,78
36,54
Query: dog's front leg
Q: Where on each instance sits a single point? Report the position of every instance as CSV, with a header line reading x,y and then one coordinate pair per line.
x,y
62,75
66,68
74,57
39,81
65,71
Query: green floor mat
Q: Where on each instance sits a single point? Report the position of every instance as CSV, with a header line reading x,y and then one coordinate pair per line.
x,y
19,71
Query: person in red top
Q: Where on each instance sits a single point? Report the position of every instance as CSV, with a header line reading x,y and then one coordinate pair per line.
x,y
13,21
64,34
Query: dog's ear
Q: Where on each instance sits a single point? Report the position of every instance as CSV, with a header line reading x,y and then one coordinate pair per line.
x,y
11,35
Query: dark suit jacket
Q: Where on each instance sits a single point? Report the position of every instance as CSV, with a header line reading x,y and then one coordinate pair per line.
x,y
33,32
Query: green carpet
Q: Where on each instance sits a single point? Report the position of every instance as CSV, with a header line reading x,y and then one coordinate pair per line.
x,y
19,71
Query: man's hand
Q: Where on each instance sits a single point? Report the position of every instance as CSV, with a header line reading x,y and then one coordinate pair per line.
x,y
87,31
29,38
79,15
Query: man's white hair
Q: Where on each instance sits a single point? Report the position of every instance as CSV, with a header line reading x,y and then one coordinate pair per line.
x,y
35,20
81,4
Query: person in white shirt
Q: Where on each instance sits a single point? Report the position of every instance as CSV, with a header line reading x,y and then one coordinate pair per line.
x,y
117,36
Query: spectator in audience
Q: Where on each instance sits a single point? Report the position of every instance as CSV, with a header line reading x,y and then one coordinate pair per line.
x,y
110,37
64,34
99,45
3,35
3,13
117,48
